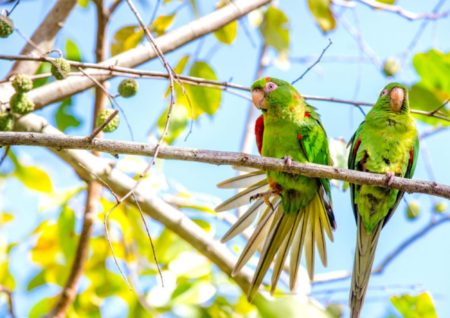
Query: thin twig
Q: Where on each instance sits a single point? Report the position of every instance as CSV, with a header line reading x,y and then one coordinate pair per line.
x,y
9,295
99,129
409,15
435,111
381,267
313,64
224,85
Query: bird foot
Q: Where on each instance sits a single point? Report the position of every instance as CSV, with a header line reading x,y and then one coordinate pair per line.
x,y
287,161
266,197
389,178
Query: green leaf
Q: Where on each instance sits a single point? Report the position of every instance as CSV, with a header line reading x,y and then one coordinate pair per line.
x,y
162,23
415,306
178,122
288,306
66,231
386,1
42,307
274,29
43,68
321,11
32,177
433,68
37,281
65,117
203,99
423,98
126,38
72,51
83,3
433,88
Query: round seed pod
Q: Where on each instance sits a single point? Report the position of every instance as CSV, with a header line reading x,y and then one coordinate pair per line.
x,y
391,66
6,122
21,104
128,87
103,116
22,83
60,68
6,26
413,210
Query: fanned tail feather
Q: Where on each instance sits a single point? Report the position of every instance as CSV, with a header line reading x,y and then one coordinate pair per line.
x,y
290,232
243,197
243,180
277,233
366,245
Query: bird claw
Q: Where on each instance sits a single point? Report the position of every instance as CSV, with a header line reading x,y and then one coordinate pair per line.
x,y
287,161
266,197
389,178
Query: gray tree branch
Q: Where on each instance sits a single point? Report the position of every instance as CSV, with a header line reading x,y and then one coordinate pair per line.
x,y
61,141
168,42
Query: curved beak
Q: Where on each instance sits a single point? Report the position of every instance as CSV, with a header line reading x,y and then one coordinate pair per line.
x,y
258,98
397,98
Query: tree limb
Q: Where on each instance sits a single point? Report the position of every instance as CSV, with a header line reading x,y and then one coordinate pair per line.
x,y
61,141
90,167
168,42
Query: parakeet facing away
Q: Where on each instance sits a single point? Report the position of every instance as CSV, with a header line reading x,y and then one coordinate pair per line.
x,y
386,142
295,211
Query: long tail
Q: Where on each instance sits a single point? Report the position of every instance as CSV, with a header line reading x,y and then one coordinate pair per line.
x,y
277,233
366,245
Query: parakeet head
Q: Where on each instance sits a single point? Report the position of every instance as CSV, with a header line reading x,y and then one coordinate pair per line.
x,y
270,93
394,97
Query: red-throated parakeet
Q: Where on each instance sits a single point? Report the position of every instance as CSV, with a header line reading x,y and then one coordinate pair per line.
x,y
295,211
386,142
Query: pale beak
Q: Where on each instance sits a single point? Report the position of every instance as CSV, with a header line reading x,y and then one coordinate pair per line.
x,y
397,98
258,98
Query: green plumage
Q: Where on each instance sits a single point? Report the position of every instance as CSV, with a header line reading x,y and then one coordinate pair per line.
x,y
288,133
298,212
387,143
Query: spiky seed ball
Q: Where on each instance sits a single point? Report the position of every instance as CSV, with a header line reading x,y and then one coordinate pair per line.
x,y
413,210
6,122
60,68
6,26
22,83
391,66
128,87
21,104
103,116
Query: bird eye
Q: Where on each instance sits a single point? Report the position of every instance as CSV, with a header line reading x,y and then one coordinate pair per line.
x,y
384,92
271,86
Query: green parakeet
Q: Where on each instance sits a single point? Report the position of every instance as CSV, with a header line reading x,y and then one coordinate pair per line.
x,y
295,211
386,142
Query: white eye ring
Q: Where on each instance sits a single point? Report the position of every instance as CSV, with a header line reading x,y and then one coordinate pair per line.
x,y
384,92
270,86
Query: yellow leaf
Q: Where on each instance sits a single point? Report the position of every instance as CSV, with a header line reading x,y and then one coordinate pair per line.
x,y
162,23
274,29
126,38
34,178
321,11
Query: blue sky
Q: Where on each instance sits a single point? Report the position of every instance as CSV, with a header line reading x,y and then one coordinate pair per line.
x,y
425,263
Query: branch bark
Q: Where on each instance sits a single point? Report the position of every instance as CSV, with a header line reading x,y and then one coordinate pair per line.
x,y
45,34
61,141
90,167
61,89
